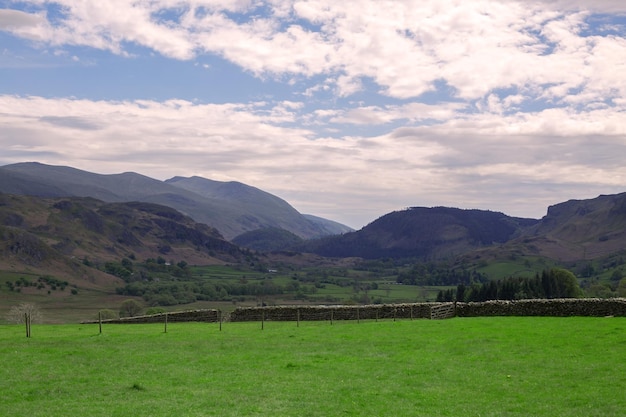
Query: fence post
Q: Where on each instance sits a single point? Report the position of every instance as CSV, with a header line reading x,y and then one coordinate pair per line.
x,y
219,313
27,325
298,317
100,321
331,317
262,319
165,330
358,316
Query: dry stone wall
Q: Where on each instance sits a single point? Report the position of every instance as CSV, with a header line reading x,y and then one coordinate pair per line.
x,y
595,307
565,307
334,312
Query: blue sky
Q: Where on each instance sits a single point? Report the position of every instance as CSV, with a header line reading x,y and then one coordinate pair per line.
x,y
347,110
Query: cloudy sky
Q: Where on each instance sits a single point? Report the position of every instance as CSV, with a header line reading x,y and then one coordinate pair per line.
x,y
346,109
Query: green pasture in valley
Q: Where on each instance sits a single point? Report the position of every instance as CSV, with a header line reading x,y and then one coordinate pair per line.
x,y
499,366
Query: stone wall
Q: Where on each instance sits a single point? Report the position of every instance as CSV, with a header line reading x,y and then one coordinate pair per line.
x,y
595,307
334,312
565,307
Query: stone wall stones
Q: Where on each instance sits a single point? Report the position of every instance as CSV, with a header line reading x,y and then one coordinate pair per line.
x,y
333,312
595,307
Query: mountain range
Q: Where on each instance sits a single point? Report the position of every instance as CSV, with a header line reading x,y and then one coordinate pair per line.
x,y
571,231
244,216
232,208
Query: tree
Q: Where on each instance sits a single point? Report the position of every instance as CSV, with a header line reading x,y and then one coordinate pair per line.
x,y
22,312
621,288
107,314
565,284
130,308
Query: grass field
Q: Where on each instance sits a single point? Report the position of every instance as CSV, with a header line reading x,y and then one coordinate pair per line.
x,y
458,367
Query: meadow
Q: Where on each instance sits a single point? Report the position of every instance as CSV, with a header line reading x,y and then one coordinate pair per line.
x,y
497,366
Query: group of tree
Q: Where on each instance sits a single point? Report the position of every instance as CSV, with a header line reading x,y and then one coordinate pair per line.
x,y
44,282
434,274
551,283
166,293
131,271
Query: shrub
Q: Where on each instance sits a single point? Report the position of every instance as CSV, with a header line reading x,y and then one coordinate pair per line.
x,y
17,314
130,308
155,310
107,314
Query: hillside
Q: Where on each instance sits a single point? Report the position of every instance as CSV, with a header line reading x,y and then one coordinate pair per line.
x,y
259,209
41,233
425,233
232,208
268,240
579,229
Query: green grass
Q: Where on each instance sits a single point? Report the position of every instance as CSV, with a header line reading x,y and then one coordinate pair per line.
x,y
522,267
460,367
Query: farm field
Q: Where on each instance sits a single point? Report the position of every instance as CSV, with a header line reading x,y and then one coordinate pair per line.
x,y
498,366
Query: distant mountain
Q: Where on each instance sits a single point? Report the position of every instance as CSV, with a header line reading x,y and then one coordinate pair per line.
x,y
329,227
425,233
571,231
261,210
270,239
232,208
578,230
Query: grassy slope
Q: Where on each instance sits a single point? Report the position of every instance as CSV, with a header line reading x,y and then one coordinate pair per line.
x,y
470,367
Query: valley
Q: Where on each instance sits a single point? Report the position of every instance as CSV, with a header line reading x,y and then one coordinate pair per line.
x,y
74,255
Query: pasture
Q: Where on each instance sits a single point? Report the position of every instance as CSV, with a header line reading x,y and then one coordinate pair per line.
x,y
498,366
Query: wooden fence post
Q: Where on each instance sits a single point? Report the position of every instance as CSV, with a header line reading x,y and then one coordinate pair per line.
x,y
100,321
165,330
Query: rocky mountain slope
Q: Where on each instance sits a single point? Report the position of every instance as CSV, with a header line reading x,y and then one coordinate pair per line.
x,y
75,232
571,231
578,230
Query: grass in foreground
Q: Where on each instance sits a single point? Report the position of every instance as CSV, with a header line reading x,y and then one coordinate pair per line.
x,y
459,367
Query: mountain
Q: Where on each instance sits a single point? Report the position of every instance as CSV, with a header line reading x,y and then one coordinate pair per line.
x,y
328,227
269,239
260,209
41,233
232,208
571,231
578,230
426,233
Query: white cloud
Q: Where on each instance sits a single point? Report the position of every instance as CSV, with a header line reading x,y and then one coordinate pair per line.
x,y
405,47
17,20
465,160
470,103
412,112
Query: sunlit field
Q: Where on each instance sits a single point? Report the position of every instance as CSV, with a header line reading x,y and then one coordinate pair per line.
x,y
514,366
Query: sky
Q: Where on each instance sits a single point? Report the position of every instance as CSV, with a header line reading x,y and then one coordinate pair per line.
x,y
348,110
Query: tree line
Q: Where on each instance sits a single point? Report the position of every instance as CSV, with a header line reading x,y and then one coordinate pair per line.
x,y
551,283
